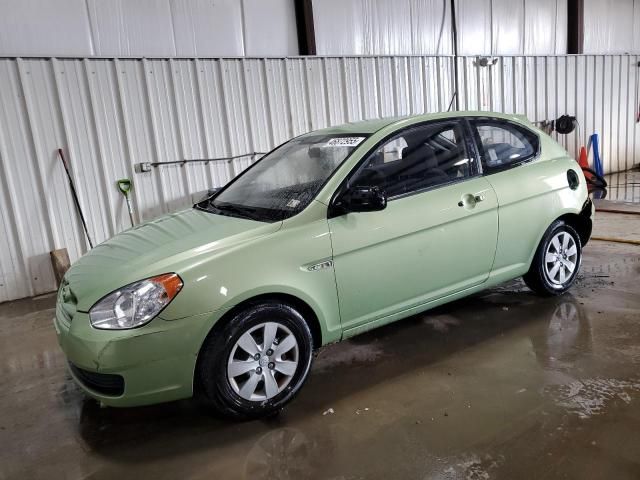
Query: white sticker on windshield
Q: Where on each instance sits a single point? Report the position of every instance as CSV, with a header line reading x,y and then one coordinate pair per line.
x,y
293,203
345,141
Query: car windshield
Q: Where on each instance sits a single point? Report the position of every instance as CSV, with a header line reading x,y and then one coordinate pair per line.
x,y
286,180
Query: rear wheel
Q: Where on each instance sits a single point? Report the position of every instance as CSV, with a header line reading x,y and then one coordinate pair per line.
x,y
257,362
556,262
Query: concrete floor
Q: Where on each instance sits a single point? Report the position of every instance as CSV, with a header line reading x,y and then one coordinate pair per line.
x,y
501,385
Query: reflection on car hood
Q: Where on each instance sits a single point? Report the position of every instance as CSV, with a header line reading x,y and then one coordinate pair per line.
x,y
166,244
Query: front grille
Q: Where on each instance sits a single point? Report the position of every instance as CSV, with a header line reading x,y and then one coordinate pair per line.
x,y
105,383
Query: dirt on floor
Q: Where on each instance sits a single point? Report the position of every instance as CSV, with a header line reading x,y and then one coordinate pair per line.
x,y
503,384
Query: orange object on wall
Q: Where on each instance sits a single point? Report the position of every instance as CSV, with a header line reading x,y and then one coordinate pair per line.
x,y
584,163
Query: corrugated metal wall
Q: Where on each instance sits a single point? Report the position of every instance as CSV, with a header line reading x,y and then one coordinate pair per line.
x,y
111,113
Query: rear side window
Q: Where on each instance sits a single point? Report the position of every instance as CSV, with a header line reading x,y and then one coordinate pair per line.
x,y
503,144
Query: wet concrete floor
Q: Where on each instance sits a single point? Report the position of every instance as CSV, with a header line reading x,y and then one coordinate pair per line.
x,y
500,385
623,187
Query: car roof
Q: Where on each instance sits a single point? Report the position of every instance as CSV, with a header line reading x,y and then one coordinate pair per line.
x,y
372,126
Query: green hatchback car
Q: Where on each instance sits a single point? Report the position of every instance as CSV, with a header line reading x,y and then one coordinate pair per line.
x,y
333,233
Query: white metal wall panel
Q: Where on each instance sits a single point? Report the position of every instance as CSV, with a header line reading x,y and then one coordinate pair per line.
x,y
42,99
148,27
71,82
386,86
213,116
235,95
370,88
270,27
340,27
526,27
382,27
343,27
139,135
352,89
386,26
636,26
163,28
402,95
164,129
336,94
316,92
108,114
13,277
505,27
474,26
112,148
107,26
431,27
545,27
205,28
257,111
507,22
277,100
29,26
298,98
609,26
423,27
20,234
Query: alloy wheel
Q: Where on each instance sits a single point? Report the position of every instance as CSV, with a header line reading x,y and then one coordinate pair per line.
x,y
561,258
263,361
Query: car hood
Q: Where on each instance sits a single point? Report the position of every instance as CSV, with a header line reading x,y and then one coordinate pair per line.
x,y
171,243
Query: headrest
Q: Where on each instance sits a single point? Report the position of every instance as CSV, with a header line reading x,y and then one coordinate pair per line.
x,y
420,153
315,152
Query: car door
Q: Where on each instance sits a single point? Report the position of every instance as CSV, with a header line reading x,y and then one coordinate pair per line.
x,y
525,189
436,236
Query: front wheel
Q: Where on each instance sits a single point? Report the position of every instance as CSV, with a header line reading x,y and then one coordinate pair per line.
x,y
257,362
556,262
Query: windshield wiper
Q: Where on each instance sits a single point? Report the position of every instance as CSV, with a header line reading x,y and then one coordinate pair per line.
x,y
241,211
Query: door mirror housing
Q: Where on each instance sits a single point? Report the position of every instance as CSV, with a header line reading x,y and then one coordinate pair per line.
x,y
359,199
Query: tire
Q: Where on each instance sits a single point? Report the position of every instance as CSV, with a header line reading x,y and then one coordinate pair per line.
x,y
236,370
550,271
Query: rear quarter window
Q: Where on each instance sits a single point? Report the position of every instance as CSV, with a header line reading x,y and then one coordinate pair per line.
x,y
504,144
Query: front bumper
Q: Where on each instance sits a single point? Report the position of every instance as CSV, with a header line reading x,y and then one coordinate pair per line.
x,y
156,361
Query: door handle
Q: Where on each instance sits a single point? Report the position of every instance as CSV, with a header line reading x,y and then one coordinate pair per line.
x,y
469,200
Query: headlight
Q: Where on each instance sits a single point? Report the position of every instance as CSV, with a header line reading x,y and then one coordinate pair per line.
x,y
135,304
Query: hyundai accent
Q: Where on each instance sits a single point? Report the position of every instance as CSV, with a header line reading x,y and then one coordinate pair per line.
x,y
333,233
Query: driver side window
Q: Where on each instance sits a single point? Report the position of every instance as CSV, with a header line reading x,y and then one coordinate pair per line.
x,y
416,159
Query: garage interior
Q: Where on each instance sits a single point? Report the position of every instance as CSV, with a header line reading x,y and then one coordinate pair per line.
x,y
144,105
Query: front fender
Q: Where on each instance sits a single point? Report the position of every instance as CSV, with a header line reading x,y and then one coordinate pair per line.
x,y
274,264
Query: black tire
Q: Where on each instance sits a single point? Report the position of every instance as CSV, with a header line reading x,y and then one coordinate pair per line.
x,y
214,381
538,278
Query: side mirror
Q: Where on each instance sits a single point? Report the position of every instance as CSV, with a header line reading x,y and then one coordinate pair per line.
x,y
361,199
